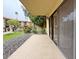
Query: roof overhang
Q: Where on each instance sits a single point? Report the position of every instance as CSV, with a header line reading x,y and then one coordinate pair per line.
x,y
41,7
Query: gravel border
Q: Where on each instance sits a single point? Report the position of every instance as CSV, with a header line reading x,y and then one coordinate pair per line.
x,y
10,46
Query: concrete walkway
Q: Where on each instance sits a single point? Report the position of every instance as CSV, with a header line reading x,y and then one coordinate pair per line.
x,y
38,47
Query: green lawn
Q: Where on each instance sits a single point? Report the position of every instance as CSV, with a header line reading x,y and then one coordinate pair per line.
x,y
11,35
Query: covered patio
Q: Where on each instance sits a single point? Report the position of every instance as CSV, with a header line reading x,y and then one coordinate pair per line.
x,y
38,47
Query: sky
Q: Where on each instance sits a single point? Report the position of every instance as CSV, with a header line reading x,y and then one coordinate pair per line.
x,y
12,6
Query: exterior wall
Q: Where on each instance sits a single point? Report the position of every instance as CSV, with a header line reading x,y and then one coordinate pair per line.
x,y
23,23
64,20
29,23
66,29
51,27
56,28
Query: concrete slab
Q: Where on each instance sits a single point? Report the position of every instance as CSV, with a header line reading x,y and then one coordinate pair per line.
x,y
38,47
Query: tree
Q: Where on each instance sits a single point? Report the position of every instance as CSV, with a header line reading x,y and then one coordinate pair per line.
x,y
40,22
37,20
13,23
16,13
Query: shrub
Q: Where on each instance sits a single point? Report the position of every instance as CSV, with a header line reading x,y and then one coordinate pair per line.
x,y
43,31
34,31
27,29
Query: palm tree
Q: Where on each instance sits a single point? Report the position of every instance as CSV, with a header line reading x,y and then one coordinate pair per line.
x,y
16,14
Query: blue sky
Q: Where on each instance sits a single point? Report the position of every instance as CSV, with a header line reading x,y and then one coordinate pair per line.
x,y
12,6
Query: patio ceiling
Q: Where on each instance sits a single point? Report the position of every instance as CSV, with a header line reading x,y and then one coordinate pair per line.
x,y
41,7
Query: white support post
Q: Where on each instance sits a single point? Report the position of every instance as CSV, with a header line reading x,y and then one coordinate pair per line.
x,y
47,25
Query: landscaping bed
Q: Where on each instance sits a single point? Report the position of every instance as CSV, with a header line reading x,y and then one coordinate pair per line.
x,y
9,36
11,45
